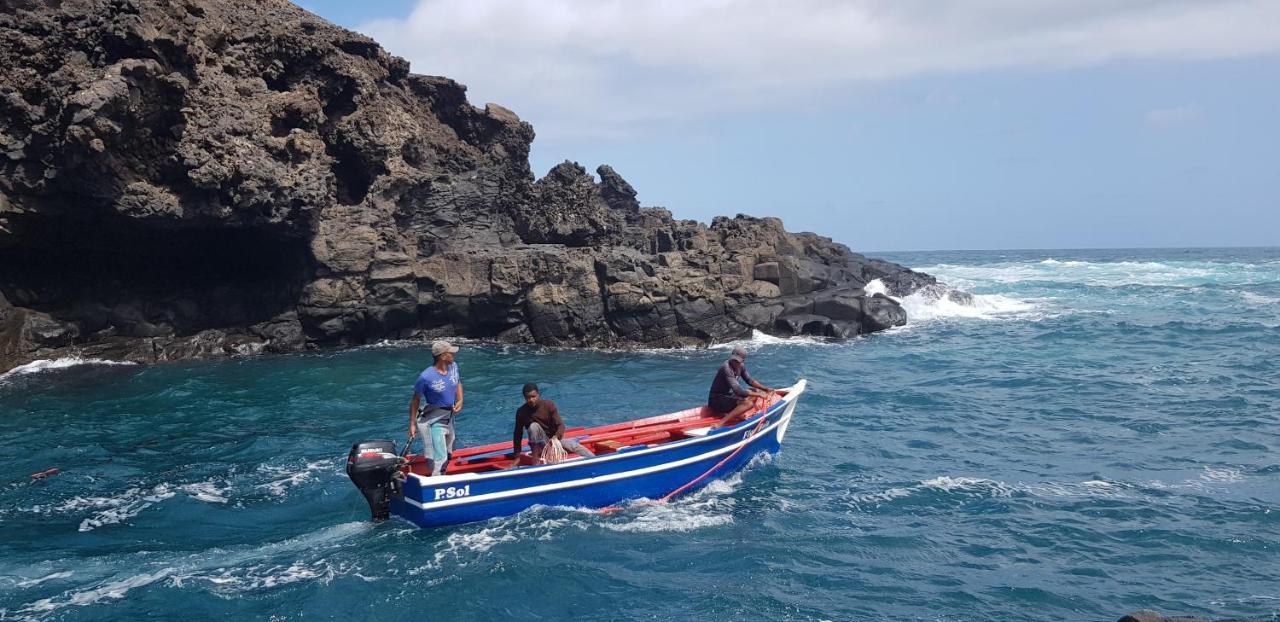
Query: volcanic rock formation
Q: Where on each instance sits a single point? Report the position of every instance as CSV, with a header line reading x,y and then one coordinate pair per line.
x,y
183,178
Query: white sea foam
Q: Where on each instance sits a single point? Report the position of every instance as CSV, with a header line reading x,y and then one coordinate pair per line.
x,y
51,577
960,486
53,364
225,571
264,576
763,339
705,510
286,477
969,485
941,302
209,491
710,506
1221,475
109,590
1107,273
876,286
1258,299
467,544
108,510
1094,489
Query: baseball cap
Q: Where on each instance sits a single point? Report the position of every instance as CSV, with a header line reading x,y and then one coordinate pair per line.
x,y
441,347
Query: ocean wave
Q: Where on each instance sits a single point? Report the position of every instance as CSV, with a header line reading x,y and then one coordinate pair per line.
x,y
65,574
285,477
966,487
710,506
42,365
941,302
976,487
207,491
758,338
109,590
256,577
1106,273
107,510
1257,299
225,571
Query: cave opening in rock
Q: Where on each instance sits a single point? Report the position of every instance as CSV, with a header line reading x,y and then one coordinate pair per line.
x,y
139,281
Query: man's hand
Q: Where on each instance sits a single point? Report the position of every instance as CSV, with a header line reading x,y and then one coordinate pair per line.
x,y
413,431
457,407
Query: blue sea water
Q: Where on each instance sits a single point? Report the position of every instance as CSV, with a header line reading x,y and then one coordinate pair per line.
x,y
1095,434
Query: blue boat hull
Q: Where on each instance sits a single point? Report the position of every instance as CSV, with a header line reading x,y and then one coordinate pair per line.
x,y
635,473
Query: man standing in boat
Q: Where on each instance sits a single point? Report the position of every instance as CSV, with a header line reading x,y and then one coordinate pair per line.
x,y
542,419
437,397
732,389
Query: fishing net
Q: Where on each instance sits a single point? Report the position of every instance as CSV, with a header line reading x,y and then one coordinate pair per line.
x,y
552,452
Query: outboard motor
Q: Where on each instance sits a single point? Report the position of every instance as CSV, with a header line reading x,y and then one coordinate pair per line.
x,y
374,468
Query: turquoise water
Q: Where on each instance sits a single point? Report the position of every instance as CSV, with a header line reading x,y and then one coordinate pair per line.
x,y
1096,434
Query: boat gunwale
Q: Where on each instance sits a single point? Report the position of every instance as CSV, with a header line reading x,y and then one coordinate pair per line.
x,y
425,482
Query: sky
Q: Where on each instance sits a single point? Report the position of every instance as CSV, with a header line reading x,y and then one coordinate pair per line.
x,y
890,124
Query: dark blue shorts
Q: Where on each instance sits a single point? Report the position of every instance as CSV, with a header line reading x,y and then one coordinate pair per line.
x,y
722,403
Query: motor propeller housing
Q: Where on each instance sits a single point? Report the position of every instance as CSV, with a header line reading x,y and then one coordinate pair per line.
x,y
374,467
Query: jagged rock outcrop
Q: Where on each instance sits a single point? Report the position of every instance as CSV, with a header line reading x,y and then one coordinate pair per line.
x,y
187,178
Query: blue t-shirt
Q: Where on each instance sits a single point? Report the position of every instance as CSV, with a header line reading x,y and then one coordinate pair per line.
x,y
439,390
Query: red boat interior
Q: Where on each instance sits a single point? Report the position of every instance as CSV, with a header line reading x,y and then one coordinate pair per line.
x,y
601,440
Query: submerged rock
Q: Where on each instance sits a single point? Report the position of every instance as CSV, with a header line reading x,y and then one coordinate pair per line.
x,y
209,177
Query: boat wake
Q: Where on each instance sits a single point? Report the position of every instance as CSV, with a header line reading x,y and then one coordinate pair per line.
x,y
961,489
223,571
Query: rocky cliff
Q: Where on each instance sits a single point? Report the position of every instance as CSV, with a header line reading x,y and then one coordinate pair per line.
x,y
202,177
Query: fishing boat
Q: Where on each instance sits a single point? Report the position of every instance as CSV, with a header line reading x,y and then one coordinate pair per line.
x,y
655,458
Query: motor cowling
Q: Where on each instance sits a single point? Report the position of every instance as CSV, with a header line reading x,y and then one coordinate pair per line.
x,y
374,468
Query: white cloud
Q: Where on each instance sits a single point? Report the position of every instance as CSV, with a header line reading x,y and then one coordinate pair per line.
x,y
604,67
1177,115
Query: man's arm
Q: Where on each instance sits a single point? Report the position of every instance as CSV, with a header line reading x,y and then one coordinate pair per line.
x,y
413,415
457,404
752,381
516,438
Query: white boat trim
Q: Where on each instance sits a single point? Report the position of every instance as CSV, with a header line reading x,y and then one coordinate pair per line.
x,y
599,479
793,392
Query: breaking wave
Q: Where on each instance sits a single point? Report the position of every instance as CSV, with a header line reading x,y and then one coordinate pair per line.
x,y
1108,273
942,302
53,364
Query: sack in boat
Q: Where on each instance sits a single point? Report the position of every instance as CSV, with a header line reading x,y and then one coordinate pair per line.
x,y
552,452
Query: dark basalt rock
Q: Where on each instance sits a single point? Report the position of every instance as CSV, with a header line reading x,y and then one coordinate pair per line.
x,y
209,177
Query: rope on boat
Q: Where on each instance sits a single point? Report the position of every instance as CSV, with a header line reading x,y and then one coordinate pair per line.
x,y
762,404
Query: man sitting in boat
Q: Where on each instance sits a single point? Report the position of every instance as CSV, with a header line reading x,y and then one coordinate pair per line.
x,y
437,397
542,419
731,390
